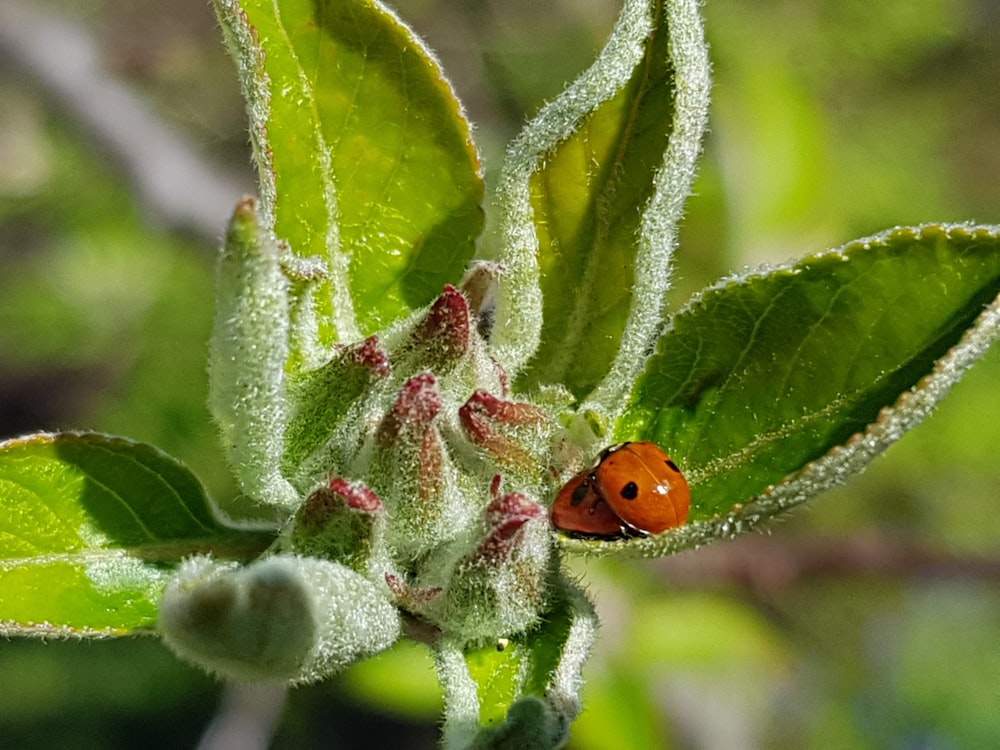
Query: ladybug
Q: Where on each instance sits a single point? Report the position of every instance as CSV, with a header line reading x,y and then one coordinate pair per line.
x,y
580,509
635,488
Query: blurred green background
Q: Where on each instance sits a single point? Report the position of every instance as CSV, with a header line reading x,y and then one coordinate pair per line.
x,y
870,619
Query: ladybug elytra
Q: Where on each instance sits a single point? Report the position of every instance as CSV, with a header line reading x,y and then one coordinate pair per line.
x,y
634,488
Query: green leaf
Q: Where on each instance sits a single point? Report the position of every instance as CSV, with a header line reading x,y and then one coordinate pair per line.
x,y
496,670
91,526
543,662
517,667
761,375
586,199
366,162
594,187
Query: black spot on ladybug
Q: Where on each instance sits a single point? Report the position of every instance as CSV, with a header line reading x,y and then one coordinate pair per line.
x,y
630,491
579,494
672,465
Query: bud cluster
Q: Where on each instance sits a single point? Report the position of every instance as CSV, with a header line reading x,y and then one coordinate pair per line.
x,y
401,444
408,476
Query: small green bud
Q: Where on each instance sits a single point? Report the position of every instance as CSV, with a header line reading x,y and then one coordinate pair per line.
x,y
248,351
284,618
342,521
500,587
320,400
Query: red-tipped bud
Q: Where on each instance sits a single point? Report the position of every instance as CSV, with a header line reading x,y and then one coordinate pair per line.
x,y
512,505
371,355
339,521
500,586
517,413
415,409
500,545
357,496
505,516
498,427
442,337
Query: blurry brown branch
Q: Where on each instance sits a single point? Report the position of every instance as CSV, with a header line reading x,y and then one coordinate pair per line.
x,y
768,565
174,182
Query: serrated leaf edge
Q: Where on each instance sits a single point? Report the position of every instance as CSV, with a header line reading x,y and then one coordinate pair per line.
x,y
842,462
662,214
519,299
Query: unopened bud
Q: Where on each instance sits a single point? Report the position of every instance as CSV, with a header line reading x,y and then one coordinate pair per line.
x,y
413,412
500,587
505,429
284,618
341,521
321,399
414,473
443,336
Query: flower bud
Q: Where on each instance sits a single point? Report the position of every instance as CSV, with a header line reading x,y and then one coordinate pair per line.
x,y
443,336
506,429
500,587
414,473
284,618
320,399
342,521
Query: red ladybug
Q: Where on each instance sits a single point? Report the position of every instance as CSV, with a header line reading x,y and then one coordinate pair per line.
x,y
579,509
634,489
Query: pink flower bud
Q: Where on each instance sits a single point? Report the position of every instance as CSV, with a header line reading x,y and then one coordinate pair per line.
x,y
370,354
492,424
357,495
442,337
413,412
505,516
339,521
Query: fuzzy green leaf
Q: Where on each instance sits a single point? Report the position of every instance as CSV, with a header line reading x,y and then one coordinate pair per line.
x,y
586,200
760,375
593,190
520,666
366,162
90,528
539,671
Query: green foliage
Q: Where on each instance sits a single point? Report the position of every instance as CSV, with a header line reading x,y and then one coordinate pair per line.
x,y
362,377
92,524
583,198
764,373
351,116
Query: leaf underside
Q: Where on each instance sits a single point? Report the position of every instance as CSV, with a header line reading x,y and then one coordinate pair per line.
x,y
92,527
